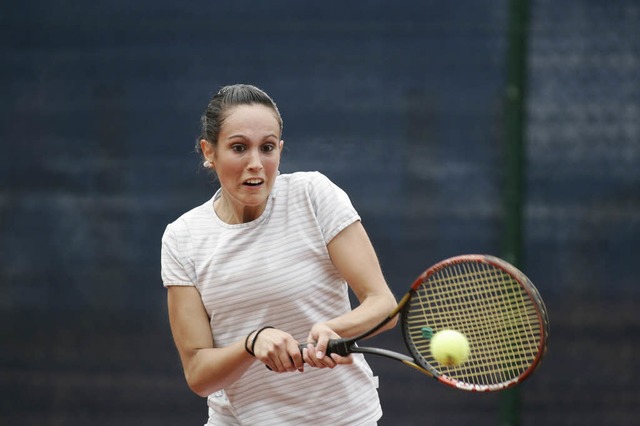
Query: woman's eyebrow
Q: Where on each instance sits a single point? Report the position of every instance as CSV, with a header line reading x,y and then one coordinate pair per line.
x,y
243,136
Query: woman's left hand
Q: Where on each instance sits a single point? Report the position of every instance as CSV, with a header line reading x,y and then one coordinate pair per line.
x,y
315,352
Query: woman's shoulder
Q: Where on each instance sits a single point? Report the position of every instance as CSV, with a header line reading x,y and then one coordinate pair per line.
x,y
305,179
314,186
193,217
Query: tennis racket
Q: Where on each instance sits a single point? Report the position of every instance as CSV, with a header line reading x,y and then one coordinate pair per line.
x,y
490,302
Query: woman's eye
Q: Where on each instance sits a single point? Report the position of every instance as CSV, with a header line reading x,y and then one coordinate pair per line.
x,y
268,147
238,148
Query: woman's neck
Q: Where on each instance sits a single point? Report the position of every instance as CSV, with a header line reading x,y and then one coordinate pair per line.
x,y
234,216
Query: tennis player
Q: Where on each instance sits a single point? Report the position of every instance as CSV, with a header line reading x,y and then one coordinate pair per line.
x,y
262,265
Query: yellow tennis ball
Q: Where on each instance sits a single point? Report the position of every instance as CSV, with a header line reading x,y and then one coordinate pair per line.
x,y
449,347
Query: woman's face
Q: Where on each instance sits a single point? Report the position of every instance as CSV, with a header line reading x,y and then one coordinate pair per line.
x,y
246,160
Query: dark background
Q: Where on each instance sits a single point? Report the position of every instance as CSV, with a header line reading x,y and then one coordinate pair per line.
x,y
401,103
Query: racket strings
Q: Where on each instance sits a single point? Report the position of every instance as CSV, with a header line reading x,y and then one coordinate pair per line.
x,y
486,331
490,308
508,329
504,330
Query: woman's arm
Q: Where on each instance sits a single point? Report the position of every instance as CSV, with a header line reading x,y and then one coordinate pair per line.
x,y
207,369
354,256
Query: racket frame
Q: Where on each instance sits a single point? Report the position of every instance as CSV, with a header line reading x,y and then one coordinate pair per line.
x,y
345,346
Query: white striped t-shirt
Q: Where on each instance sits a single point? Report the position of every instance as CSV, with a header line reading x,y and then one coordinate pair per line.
x,y
275,271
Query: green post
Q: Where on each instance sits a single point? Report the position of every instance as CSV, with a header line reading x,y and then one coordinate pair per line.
x,y
514,141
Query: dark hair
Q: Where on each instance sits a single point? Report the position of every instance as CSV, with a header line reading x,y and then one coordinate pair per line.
x,y
227,98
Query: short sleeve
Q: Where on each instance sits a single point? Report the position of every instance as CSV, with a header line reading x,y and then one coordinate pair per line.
x,y
176,268
333,208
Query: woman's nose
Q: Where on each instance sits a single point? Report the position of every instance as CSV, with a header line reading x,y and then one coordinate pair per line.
x,y
255,162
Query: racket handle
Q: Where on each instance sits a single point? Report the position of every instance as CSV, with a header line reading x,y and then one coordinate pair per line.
x,y
335,346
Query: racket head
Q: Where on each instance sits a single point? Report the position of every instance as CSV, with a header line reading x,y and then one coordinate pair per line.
x,y
494,305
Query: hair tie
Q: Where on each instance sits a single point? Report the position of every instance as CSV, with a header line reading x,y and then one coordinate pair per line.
x,y
246,348
255,338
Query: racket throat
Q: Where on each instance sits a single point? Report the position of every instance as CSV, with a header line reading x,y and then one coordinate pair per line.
x,y
383,352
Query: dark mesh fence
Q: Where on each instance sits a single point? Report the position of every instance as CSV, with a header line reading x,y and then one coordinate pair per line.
x,y
399,103
583,210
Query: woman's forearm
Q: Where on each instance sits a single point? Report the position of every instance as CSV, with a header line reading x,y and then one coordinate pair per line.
x,y
368,314
211,369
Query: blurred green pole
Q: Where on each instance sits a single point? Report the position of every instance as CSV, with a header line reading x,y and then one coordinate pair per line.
x,y
514,157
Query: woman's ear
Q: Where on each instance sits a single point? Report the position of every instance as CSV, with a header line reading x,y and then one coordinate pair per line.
x,y
208,152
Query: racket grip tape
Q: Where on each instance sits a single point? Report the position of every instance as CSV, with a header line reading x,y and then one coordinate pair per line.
x,y
335,346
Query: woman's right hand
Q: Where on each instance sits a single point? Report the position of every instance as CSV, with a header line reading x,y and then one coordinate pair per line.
x,y
277,349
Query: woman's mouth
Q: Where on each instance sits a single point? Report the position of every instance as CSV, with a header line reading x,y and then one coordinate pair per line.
x,y
253,182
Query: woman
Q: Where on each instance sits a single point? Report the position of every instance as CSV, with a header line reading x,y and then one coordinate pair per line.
x,y
263,265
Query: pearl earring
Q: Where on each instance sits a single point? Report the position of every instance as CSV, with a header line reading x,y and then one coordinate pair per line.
x,y
207,164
